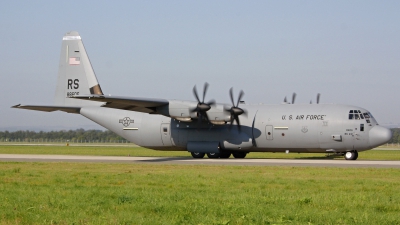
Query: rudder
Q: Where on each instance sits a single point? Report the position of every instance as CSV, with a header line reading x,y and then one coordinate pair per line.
x,y
75,73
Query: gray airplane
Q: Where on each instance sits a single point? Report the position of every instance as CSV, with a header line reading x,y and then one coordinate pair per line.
x,y
205,127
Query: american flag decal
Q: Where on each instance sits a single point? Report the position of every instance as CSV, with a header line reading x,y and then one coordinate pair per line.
x,y
74,61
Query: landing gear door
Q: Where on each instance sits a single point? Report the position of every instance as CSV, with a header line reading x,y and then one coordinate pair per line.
x,y
165,130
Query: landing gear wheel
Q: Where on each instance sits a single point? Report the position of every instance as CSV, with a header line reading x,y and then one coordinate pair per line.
x,y
213,155
239,155
352,155
198,155
224,155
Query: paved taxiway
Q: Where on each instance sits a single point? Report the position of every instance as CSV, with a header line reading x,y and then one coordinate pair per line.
x,y
205,161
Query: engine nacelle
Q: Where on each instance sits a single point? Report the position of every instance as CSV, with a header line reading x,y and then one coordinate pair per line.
x,y
181,110
218,116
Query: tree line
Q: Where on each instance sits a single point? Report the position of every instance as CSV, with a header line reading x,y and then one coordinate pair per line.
x,y
79,135
396,135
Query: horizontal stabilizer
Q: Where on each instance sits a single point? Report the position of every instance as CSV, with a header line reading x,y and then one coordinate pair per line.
x,y
49,108
126,103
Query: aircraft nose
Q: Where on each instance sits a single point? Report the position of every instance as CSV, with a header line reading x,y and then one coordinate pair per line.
x,y
378,136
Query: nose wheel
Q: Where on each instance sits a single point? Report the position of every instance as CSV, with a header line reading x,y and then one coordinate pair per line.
x,y
352,155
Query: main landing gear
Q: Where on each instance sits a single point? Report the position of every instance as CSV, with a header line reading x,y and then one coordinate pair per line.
x,y
221,155
198,155
352,155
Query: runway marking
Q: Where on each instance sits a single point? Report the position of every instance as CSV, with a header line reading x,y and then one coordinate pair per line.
x,y
205,161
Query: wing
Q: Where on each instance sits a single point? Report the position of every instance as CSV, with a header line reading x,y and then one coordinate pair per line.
x,y
48,108
146,105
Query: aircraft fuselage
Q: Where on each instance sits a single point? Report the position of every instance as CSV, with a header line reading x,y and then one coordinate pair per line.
x,y
267,128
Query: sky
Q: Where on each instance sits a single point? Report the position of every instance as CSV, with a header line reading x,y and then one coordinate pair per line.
x,y
349,51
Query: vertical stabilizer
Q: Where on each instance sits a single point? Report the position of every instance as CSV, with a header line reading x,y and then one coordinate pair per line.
x,y
75,73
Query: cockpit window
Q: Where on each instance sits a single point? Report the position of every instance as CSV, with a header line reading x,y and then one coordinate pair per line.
x,y
356,114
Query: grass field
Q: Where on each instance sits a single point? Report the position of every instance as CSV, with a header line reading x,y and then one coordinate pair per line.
x,y
85,193
382,153
101,193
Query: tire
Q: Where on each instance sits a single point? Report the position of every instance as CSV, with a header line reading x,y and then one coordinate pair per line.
x,y
197,155
352,155
213,155
239,155
225,155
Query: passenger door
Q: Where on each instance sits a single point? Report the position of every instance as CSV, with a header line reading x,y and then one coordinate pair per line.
x,y
166,134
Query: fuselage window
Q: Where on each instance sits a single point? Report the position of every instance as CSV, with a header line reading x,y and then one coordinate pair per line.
x,y
361,127
361,115
356,116
366,115
351,116
165,130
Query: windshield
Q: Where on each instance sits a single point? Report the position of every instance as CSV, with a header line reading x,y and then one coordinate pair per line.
x,y
356,114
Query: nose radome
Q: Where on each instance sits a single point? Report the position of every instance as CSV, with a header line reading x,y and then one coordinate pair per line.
x,y
378,136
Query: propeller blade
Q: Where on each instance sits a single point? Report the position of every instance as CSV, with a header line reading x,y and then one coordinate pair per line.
x,y
211,102
195,93
245,112
318,96
237,122
285,100
199,119
205,91
240,98
294,97
231,95
231,122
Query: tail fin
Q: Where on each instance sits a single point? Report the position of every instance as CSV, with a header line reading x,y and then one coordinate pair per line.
x,y
75,73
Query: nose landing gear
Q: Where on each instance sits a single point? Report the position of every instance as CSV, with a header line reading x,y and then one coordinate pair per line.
x,y
352,155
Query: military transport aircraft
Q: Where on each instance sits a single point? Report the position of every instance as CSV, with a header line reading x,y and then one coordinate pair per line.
x,y
206,127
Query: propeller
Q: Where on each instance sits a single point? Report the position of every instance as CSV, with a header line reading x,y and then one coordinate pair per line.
x,y
202,107
318,97
293,98
235,111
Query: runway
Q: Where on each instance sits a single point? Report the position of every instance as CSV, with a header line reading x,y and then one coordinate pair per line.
x,y
205,161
